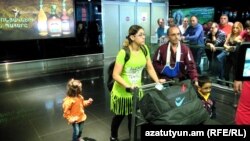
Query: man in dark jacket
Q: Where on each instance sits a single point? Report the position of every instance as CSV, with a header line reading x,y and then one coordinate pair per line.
x,y
215,38
174,59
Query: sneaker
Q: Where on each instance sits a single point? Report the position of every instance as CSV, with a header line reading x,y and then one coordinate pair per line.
x,y
113,139
80,139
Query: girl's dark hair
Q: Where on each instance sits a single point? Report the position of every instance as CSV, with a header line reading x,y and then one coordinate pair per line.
x,y
132,31
74,87
203,79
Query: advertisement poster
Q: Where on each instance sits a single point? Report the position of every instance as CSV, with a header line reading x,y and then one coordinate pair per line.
x,y
204,14
36,19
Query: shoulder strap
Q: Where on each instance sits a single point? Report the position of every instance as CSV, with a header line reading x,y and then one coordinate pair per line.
x,y
127,55
144,50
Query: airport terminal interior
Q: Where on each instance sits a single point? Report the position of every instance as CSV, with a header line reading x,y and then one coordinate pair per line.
x,y
35,71
31,109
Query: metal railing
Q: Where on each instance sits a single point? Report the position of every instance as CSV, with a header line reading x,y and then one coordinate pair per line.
x,y
36,68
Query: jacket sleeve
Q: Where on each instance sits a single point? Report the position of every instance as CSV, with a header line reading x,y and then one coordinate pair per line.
x,y
85,102
208,38
198,32
158,60
67,104
187,31
220,40
191,65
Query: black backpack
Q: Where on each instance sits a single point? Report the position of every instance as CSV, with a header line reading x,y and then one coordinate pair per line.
x,y
111,81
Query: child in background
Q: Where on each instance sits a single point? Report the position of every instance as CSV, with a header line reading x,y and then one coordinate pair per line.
x,y
207,98
73,107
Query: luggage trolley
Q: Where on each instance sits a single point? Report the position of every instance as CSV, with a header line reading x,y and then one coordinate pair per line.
x,y
137,118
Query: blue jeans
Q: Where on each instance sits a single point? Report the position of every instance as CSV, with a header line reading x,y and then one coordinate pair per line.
x,y
221,57
77,130
197,54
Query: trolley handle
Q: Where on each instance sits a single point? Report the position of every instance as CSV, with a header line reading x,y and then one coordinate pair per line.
x,y
129,89
153,84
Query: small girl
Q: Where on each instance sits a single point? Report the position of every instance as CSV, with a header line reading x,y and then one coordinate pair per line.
x,y
73,107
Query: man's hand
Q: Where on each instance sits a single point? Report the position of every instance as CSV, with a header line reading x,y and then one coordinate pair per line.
x,y
211,46
237,86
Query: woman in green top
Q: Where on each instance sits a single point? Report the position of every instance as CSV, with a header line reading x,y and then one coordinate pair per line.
x,y
128,75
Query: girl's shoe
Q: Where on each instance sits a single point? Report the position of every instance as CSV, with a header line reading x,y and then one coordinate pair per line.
x,y
80,139
113,139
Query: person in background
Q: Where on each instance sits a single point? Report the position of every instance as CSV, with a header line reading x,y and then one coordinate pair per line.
x,y
215,38
229,48
224,24
161,31
171,22
242,116
162,28
204,92
245,34
183,27
195,37
207,26
128,76
73,108
174,59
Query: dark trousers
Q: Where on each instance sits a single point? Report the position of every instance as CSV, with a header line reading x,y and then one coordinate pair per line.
x,y
230,63
216,67
197,54
116,122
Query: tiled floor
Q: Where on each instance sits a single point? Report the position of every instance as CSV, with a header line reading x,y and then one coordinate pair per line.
x,y
31,109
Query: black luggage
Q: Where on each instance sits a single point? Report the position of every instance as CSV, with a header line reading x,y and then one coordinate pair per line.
x,y
174,105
